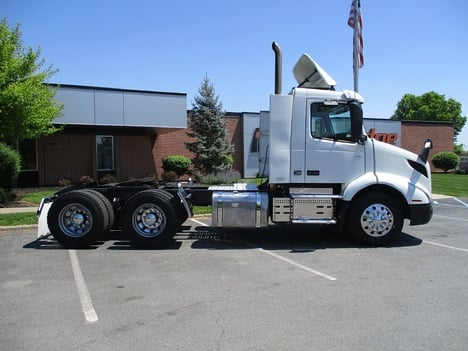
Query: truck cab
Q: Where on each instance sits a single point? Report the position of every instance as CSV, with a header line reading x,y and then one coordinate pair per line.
x,y
322,168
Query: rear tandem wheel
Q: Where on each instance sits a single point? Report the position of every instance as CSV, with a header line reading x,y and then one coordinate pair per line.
x,y
76,218
150,218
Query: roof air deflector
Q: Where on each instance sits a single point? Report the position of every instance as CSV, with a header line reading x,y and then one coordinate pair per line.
x,y
309,74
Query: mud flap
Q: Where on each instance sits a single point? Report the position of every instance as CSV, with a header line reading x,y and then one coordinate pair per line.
x,y
42,228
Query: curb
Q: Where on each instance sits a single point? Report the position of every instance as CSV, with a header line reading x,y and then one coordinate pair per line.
x,y
7,210
18,227
438,197
34,226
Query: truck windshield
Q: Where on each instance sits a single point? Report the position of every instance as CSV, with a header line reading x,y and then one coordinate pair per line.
x,y
330,121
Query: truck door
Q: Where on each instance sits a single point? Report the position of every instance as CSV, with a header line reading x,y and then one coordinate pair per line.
x,y
330,155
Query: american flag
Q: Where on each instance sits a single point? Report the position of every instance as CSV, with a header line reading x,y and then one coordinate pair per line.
x,y
358,42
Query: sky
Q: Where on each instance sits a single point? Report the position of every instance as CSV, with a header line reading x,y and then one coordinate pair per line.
x,y
412,46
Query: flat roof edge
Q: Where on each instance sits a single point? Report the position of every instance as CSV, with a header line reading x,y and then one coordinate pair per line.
x,y
58,85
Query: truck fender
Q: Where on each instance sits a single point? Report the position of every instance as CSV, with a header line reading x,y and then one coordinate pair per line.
x,y
408,190
413,194
358,184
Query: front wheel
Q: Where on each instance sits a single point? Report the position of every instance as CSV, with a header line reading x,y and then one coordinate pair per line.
x,y
375,219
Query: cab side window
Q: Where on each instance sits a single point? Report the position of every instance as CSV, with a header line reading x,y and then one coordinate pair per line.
x,y
330,121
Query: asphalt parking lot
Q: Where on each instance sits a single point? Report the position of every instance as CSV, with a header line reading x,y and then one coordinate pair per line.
x,y
282,289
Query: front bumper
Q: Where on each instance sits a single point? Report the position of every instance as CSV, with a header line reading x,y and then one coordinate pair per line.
x,y
420,214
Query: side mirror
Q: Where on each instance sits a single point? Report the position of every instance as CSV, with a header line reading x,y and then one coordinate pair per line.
x,y
356,121
424,154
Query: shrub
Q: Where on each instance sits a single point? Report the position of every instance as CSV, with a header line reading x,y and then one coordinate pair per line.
x,y
445,160
10,166
64,182
196,175
178,164
226,163
86,179
226,177
4,196
170,176
107,179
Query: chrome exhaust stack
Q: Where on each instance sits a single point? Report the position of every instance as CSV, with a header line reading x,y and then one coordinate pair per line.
x,y
278,68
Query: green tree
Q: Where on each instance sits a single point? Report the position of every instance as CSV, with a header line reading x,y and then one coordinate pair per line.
x,y
430,106
458,149
26,105
207,127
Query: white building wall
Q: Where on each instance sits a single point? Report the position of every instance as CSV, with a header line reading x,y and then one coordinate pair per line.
x,y
384,127
114,107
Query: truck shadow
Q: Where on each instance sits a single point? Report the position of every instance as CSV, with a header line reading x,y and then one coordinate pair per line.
x,y
294,239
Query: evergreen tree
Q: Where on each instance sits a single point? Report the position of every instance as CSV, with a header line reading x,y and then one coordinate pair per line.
x,y
207,128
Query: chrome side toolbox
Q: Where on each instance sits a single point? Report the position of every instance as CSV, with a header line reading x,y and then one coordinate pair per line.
x,y
240,209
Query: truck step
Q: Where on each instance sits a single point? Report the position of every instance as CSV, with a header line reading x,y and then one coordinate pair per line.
x,y
327,221
314,196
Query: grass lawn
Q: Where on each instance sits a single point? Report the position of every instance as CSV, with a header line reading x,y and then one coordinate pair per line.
x,y
442,183
23,218
35,197
450,184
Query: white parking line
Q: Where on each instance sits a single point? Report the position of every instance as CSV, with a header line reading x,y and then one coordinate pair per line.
x,y
448,205
198,222
294,263
287,260
461,202
85,299
453,218
446,246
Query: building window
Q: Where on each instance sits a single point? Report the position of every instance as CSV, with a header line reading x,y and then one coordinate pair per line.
x,y
28,152
254,147
105,152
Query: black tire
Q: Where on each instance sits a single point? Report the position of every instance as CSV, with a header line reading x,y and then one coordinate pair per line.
x,y
180,210
110,216
375,219
149,218
77,218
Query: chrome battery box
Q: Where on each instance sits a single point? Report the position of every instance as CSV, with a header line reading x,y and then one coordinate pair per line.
x,y
239,209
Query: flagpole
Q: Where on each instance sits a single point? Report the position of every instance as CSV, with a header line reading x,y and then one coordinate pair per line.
x,y
355,47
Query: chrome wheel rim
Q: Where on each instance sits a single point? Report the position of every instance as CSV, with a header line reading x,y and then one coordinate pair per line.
x,y
377,220
149,220
75,220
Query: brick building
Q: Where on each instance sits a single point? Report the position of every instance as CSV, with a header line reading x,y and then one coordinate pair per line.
x,y
173,143
127,134
105,131
413,134
410,135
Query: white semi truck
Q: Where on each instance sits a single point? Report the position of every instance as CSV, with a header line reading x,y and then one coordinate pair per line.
x,y
321,169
